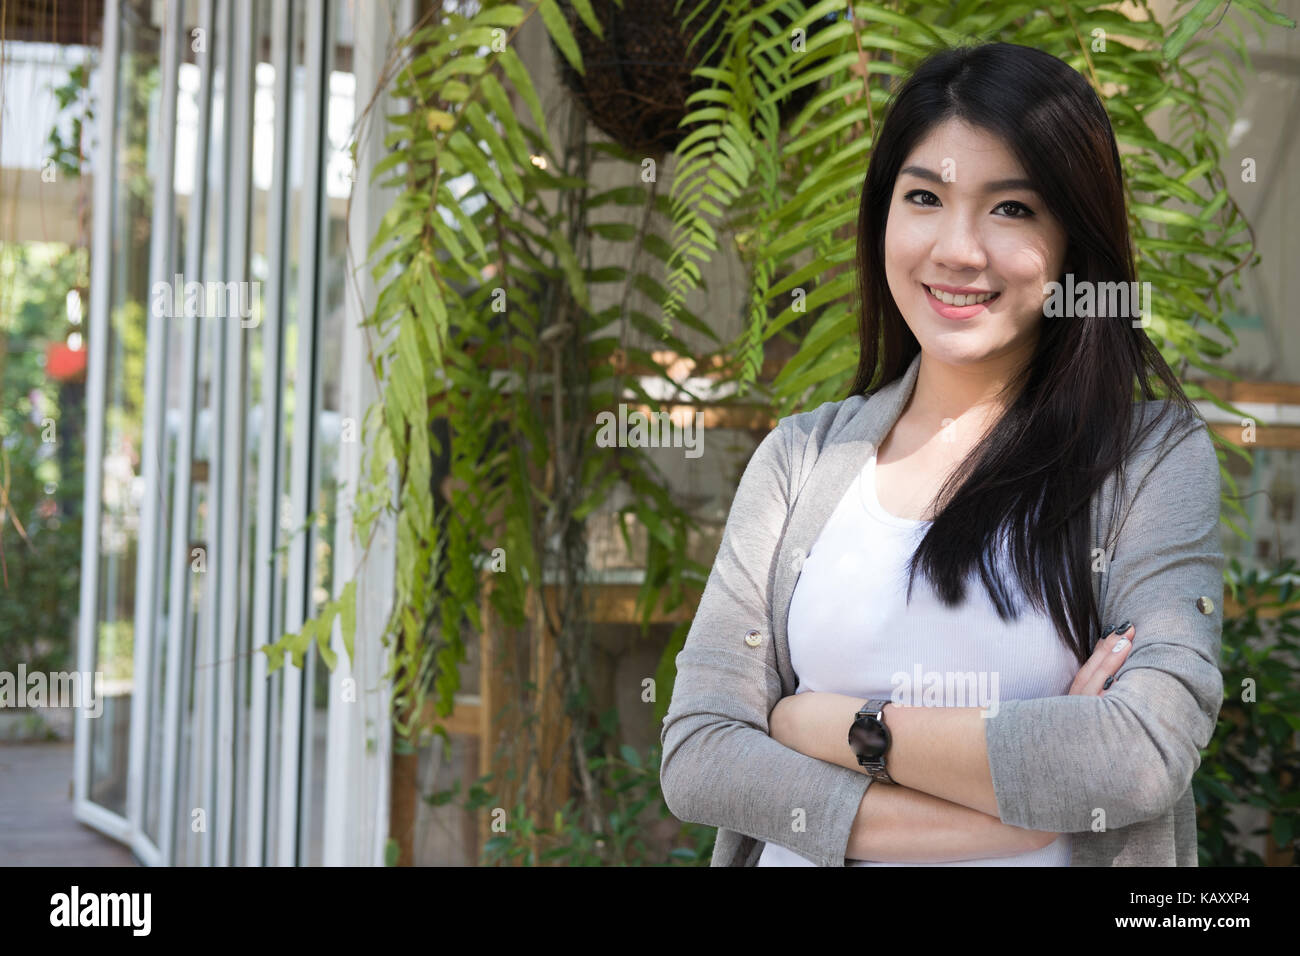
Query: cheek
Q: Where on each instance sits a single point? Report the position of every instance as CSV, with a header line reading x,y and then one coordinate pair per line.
x,y
904,248
1024,266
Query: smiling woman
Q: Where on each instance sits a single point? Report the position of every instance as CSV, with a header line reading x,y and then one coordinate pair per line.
x,y
997,174
986,495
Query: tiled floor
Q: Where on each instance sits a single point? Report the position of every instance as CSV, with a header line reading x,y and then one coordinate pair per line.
x,y
36,823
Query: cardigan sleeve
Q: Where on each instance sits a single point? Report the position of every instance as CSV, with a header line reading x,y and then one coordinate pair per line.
x,y
1075,763
720,767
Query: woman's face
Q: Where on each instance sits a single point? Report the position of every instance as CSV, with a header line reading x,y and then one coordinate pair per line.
x,y
958,220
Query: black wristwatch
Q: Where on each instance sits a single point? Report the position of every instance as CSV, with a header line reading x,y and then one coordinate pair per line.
x,y
869,740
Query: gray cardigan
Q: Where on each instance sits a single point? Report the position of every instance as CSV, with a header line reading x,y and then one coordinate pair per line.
x,y
1071,764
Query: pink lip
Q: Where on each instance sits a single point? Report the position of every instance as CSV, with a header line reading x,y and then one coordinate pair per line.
x,y
957,312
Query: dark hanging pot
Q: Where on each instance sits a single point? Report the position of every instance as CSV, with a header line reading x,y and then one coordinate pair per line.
x,y
639,76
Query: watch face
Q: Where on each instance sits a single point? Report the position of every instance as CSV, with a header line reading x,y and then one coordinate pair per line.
x,y
867,737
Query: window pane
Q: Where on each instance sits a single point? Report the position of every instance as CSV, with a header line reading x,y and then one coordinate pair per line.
x,y
132,208
336,163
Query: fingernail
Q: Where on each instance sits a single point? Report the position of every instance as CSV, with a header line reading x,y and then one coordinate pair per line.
x,y
1109,680
1119,645
1121,628
1108,632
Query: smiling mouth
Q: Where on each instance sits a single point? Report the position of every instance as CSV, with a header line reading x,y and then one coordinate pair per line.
x,y
960,300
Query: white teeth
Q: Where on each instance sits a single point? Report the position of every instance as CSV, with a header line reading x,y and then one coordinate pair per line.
x,y
948,299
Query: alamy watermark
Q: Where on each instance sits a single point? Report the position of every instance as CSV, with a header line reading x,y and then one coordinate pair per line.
x,y
946,689
1098,300
129,910
57,689
206,300
637,430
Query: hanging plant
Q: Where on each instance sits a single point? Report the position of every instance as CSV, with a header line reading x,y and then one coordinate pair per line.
x,y
647,62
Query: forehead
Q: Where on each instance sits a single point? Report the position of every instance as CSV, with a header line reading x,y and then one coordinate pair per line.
x,y
970,146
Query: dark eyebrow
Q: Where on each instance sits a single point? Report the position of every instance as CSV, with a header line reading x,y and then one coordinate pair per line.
x,y
997,186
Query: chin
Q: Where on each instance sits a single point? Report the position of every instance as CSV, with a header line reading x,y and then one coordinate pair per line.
x,y
957,353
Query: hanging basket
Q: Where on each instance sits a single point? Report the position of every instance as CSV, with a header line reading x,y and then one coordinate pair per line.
x,y
639,76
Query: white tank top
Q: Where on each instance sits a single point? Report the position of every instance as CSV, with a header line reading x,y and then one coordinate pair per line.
x,y
851,631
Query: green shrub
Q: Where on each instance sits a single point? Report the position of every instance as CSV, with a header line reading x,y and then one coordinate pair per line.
x,y
1252,758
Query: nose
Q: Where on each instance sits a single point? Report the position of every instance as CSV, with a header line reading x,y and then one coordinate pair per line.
x,y
957,246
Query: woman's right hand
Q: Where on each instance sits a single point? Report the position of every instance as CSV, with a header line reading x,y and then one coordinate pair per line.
x,y
1107,658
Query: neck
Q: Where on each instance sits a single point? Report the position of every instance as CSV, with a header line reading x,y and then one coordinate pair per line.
x,y
947,391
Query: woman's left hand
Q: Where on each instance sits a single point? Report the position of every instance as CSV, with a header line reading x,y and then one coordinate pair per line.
x,y
1107,657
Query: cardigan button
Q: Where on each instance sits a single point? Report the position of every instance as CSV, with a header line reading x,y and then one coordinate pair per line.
x,y
753,638
1204,605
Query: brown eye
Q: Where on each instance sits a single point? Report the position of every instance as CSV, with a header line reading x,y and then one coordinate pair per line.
x,y
1018,205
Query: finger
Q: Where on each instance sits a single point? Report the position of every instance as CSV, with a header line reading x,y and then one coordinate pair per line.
x,y
1103,663
1121,644
1100,650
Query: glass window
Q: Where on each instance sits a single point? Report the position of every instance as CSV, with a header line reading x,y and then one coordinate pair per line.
x,y
137,100
339,118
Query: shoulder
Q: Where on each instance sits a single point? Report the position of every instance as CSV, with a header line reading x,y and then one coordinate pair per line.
x,y
825,418
1165,417
798,440
811,430
1163,433
1172,465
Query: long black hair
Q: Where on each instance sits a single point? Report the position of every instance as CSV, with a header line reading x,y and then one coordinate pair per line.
x,y
1027,484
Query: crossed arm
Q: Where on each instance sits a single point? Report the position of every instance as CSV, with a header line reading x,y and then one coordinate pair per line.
x,y
934,747
936,750
942,806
